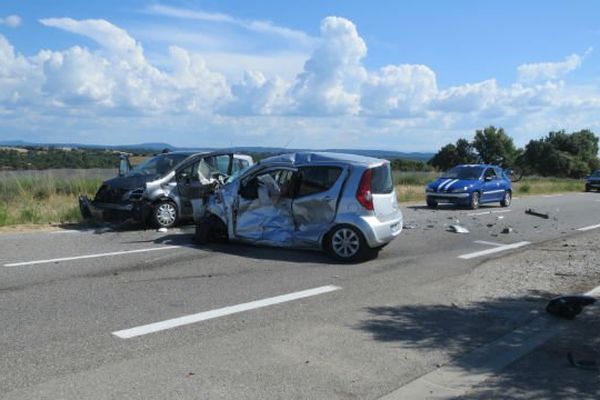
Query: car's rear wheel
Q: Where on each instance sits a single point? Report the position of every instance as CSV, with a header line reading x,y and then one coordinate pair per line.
x,y
588,188
507,199
475,198
346,243
164,214
431,203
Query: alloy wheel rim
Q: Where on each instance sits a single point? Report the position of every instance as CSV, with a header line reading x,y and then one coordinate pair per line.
x,y
345,242
507,198
166,214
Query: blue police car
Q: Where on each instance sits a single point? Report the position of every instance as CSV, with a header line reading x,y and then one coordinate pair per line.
x,y
471,185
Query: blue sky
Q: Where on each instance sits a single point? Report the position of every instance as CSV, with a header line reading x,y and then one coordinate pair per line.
x,y
409,76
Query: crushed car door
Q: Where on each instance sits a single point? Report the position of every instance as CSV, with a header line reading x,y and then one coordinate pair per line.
x,y
198,179
264,207
315,201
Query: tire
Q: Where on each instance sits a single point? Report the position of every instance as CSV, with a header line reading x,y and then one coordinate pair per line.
x,y
431,203
164,214
347,244
588,188
475,198
507,199
203,232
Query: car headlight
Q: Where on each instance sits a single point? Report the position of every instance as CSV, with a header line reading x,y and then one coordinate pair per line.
x,y
428,189
460,190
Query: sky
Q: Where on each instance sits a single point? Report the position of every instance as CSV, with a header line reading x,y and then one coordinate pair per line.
x,y
395,75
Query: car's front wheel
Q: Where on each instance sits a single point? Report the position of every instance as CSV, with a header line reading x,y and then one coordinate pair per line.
x,y
164,214
346,243
431,203
506,200
475,198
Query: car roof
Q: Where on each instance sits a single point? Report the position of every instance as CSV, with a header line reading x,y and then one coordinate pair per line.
x,y
309,157
477,165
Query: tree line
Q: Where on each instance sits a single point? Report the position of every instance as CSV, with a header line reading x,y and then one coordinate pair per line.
x,y
558,154
34,158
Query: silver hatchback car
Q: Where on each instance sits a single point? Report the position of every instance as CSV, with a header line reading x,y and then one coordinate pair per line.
x,y
342,203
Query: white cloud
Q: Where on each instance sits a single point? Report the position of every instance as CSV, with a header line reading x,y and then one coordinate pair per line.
x,y
333,75
266,27
12,21
330,98
550,70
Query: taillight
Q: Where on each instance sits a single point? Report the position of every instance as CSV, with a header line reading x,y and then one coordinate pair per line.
x,y
363,194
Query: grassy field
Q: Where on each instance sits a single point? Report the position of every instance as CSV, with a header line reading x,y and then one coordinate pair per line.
x,y
52,198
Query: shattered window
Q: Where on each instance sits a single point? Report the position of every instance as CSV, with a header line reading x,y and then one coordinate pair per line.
x,y
317,179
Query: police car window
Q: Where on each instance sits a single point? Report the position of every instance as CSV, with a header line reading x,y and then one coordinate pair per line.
x,y
490,173
316,179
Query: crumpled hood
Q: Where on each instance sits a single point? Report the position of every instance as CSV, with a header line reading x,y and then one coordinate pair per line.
x,y
447,184
129,182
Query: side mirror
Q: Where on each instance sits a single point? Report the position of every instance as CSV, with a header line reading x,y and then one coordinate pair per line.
x,y
124,166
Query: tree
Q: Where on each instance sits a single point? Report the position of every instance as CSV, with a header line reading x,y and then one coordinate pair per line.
x,y
494,146
445,158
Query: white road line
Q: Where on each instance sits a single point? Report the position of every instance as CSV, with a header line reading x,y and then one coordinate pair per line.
x,y
114,253
488,212
494,250
588,228
595,292
220,312
552,195
484,242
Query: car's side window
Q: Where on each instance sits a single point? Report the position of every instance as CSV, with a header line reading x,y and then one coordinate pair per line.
x,y
316,179
274,184
490,174
189,173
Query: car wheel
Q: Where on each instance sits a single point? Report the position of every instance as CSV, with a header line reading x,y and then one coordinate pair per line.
x,y
431,203
588,188
475,197
506,199
164,214
347,244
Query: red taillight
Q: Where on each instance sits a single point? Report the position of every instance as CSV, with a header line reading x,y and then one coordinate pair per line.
x,y
363,194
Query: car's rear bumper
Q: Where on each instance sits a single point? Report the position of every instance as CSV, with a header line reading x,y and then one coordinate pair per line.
x,y
378,233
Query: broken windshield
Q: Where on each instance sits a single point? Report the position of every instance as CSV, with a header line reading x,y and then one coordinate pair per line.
x,y
157,166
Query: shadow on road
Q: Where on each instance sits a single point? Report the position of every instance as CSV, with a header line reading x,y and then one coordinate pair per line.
x,y
458,330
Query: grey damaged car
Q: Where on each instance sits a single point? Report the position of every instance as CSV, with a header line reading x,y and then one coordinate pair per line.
x,y
161,190
341,203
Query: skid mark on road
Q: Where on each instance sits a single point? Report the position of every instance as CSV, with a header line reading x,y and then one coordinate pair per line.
x,y
221,312
98,255
494,250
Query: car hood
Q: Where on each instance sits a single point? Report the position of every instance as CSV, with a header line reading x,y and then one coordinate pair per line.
x,y
447,184
129,182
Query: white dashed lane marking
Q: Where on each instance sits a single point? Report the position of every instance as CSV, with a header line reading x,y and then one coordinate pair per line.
x,y
488,212
221,312
494,250
588,228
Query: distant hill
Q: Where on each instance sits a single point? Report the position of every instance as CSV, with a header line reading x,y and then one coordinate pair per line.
x,y
156,147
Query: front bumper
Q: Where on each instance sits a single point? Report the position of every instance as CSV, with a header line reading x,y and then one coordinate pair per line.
x,y
455,198
593,184
110,212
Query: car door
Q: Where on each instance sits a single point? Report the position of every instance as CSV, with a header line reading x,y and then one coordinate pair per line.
x,y
198,179
263,210
314,206
491,186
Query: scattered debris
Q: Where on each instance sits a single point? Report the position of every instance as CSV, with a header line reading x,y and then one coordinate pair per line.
x,y
500,217
507,230
568,306
410,226
531,211
458,229
190,374
163,230
590,365
489,225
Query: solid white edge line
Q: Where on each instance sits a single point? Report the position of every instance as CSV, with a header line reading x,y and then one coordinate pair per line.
x,y
494,250
588,228
485,242
114,253
487,212
220,312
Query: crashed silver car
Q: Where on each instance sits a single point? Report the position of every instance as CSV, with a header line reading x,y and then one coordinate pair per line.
x,y
344,204
160,191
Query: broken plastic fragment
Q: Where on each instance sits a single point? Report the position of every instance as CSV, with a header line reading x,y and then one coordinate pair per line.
x,y
163,229
568,306
531,211
458,229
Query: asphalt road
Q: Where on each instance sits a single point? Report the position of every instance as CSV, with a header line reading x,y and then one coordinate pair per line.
x,y
68,300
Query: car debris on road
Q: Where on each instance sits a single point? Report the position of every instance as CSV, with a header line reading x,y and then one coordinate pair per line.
x,y
568,306
458,229
531,211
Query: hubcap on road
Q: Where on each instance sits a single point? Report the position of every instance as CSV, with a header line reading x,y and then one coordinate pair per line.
x,y
165,214
345,242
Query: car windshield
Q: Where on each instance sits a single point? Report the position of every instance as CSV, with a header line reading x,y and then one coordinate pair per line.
x,y
469,173
157,166
596,174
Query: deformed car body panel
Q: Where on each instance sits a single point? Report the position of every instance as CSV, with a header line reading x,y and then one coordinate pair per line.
x,y
273,217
